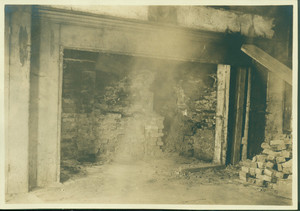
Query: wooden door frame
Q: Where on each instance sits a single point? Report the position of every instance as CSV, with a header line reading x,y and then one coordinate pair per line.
x,y
57,32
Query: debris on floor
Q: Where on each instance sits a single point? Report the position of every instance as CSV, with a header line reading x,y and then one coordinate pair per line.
x,y
155,181
272,168
70,168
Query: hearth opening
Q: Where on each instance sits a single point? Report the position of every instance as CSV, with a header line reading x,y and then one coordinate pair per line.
x,y
123,108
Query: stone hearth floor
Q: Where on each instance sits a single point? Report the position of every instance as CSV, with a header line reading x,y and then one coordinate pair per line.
x,y
162,181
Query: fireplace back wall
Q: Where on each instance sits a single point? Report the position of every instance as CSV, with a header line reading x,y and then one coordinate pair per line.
x,y
118,107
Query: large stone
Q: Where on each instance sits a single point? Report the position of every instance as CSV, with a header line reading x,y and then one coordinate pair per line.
x,y
277,142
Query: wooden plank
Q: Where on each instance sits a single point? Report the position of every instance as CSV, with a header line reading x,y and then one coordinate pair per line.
x,y
245,138
226,113
223,74
203,168
142,38
269,62
239,108
48,105
287,109
274,109
219,113
18,81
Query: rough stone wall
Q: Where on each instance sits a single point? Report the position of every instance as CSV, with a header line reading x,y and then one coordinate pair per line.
x,y
110,120
189,109
140,113
213,19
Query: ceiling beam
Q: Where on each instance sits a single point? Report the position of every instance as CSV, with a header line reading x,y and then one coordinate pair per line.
x,y
269,62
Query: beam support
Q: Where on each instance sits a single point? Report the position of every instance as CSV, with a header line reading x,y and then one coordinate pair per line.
x,y
246,129
223,79
269,62
238,110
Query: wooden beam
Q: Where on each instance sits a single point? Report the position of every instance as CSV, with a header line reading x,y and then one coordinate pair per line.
x,y
238,109
223,74
17,82
102,33
246,129
269,62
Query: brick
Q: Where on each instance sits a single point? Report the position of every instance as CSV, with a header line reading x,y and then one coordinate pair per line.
x,y
267,151
253,165
288,163
265,145
258,171
287,170
261,158
245,169
280,147
260,176
260,183
276,142
260,165
271,158
286,154
279,167
269,172
269,165
279,174
270,179
252,171
280,159
270,152
243,178
288,141
254,159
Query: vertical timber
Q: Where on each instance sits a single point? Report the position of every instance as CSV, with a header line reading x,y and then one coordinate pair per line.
x,y
246,130
239,110
223,78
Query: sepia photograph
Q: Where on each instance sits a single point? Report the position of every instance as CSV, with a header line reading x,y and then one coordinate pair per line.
x,y
153,105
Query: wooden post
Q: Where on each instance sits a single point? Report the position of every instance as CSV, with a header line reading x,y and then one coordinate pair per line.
x,y
17,82
48,105
239,109
245,138
223,77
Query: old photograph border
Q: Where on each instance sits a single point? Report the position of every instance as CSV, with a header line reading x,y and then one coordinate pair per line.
x,y
294,3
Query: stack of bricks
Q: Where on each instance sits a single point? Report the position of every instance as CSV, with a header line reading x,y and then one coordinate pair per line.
x,y
272,167
153,134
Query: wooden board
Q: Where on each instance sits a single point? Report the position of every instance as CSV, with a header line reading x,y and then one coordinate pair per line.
x,y
269,62
238,109
142,38
246,130
18,37
223,77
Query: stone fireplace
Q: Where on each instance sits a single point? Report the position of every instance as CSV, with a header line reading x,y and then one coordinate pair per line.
x,y
124,108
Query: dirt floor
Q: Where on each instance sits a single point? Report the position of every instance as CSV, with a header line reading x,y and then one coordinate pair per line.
x,y
175,180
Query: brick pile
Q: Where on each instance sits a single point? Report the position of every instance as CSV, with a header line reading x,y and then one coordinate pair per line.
x,y
273,167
